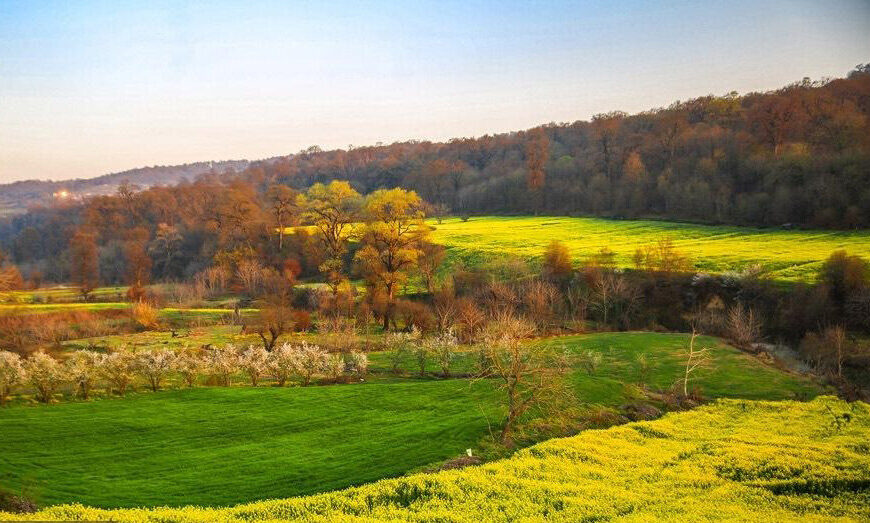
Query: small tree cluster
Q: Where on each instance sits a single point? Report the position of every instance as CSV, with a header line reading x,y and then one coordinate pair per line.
x,y
84,369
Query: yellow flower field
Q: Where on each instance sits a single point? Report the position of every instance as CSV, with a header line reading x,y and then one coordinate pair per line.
x,y
786,254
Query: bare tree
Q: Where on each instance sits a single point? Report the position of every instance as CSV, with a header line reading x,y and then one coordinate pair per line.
x,y
528,376
694,360
744,326
835,338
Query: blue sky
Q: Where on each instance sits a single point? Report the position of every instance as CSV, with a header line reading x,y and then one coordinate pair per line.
x,y
88,88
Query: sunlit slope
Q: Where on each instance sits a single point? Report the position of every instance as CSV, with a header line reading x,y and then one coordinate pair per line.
x,y
788,255
736,460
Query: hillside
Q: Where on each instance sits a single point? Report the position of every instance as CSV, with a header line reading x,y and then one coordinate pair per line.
x,y
17,197
735,460
315,439
799,155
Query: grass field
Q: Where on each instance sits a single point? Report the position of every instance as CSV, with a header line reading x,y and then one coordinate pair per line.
x,y
220,446
734,460
786,255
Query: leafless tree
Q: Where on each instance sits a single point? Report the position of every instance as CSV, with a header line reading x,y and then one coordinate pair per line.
x,y
527,376
695,358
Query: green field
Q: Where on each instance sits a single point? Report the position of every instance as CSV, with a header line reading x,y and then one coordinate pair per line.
x,y
734,460
786,255
219,446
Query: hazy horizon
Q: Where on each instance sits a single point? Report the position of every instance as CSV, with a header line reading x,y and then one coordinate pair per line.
x,y
93,88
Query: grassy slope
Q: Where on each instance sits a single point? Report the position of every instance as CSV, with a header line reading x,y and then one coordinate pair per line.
x,y
789,255
220,446
734,460
216,446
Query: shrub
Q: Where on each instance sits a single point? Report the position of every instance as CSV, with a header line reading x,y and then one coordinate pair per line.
x,y
282,363
118,368
14,329
415,315
154,365
539,299
45,374
420,352
16,503
301,320
309,361
401,344
83,368
144,314
744,326
334,367
222,363
443,348
188,365
470,320
357,363
253,362
11,374
557,260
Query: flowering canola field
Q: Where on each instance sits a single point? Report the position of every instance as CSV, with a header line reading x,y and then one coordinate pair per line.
x,y
737,460
787,255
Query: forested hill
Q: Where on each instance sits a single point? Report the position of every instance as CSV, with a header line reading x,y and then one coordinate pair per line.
x,y
19,196
799,155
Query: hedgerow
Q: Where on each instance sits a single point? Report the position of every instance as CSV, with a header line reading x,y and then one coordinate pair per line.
x,y
734,460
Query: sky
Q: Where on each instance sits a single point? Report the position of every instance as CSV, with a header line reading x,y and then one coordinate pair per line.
x,y
88,88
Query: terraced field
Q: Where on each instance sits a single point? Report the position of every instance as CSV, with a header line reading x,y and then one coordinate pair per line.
x,y
735,460
220,446
785,254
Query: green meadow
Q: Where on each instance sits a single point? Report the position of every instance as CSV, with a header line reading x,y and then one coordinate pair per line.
x,y
789,255
219,446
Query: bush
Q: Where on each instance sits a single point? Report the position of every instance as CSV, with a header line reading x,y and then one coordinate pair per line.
x,y
222,363
334,367
118,369
11,374
16,503
83,368
557,261
154,365
45,374
443,348
744,326
144,315
254,362
301,320
309,361
282,363
357,364
401,344
188,365
415,315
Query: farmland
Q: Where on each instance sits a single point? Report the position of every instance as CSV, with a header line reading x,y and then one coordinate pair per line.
x,y
784,254
734,460
219,446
